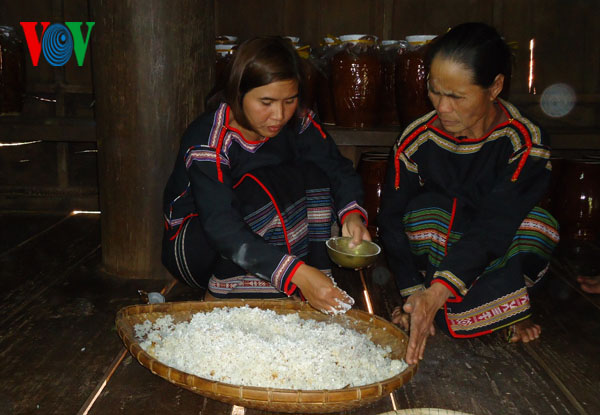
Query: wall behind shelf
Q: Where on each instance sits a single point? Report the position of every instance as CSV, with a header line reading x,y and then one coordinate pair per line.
x,y
566,36
567,50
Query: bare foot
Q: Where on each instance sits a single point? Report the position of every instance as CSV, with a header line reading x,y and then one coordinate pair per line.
x,y
401,318
590,284
524,331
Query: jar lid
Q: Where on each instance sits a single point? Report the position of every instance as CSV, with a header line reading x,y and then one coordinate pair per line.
x,y
224,49
358,38
293,39
226,39
418,40
303,50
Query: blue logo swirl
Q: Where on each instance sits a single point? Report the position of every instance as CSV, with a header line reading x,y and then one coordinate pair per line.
x,y
57,44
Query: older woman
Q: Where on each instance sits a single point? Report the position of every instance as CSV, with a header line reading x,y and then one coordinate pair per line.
x,y
458,219
251,200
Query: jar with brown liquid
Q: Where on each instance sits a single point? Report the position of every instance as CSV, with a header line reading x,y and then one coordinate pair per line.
x,y
310,74
411,80
322,65
578,213
12,71
224,52
390,49
372,168
356,82
578,199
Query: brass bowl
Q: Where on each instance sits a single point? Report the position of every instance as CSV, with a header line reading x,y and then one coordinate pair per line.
x,y
360,256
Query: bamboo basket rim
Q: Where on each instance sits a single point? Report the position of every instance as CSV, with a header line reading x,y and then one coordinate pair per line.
x,y
269,399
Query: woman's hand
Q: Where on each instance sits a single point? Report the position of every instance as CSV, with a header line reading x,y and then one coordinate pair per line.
x,y
422,307
320,290
354,227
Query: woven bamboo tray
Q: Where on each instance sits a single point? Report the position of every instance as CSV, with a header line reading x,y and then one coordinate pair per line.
x,y
381,331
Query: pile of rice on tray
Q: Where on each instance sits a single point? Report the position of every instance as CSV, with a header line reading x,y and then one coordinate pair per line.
x,y
255,347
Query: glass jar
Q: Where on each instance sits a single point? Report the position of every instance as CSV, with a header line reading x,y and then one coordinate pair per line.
x,y
310,74
322,65
226,40
12,71
578,202
356,82
372,168
224,53
388,108
577,209
411,80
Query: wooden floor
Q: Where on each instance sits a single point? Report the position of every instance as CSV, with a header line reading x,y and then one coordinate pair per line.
x,y
60,352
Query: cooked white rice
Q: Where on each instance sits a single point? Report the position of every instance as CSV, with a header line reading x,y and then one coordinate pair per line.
x,y
254,347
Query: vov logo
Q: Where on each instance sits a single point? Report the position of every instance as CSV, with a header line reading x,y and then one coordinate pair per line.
x,y
57,42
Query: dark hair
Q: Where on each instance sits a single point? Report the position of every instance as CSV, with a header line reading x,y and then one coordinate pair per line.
x,y
478,47
256,62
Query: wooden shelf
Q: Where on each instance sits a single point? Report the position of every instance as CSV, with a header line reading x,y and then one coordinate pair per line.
x,y
354,137
20,128
560,138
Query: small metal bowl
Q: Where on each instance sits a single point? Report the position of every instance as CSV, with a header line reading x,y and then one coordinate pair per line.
x,y
360,256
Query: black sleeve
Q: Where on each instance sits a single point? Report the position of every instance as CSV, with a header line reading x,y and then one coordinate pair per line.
x,y
316,145
225,227
391,229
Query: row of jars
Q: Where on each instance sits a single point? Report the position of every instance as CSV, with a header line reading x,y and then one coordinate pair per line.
x,y
357,81
573,198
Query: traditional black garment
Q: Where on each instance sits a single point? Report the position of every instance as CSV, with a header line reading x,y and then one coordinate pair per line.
x,y
461,212
242,216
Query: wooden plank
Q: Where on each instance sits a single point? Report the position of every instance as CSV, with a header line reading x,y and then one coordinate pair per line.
x,y
387,14
568,351
265,17
84,131
57,310
418,17
133,390
50,199
351,137
566,272
480,376
16,129
55,350
18,227
26,272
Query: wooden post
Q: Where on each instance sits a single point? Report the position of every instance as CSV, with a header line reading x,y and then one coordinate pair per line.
x,y
152,67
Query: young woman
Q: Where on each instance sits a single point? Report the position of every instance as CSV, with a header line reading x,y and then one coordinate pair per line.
x,y
256,186
458,219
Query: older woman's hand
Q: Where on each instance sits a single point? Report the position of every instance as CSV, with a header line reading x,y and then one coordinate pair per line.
x,y
355,228
422,307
